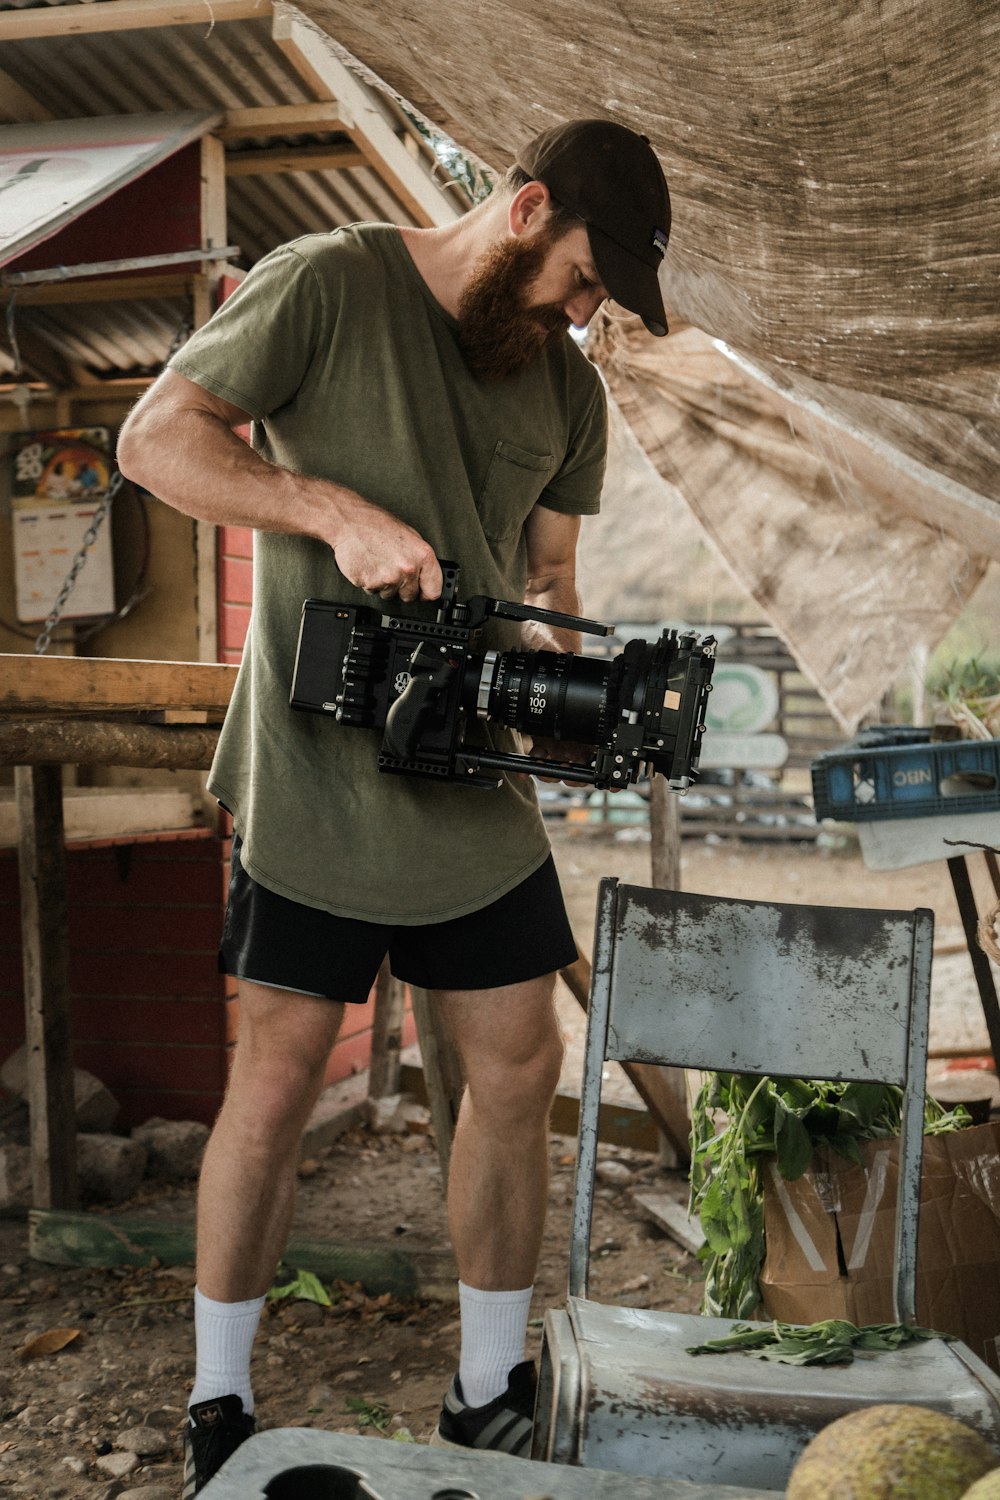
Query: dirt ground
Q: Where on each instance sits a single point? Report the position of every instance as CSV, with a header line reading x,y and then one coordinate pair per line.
x,y
101,1417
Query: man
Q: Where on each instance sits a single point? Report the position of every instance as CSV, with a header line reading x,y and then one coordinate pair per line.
x,y
414,395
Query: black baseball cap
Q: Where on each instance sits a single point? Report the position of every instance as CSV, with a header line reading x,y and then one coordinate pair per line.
x,y
611,177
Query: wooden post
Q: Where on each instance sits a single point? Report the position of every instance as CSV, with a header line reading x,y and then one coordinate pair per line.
x,y
442,1073
387,1035
966,903
42,861
665,850
665,836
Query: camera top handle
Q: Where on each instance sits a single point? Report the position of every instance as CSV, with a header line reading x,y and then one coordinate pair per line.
x,y
477,610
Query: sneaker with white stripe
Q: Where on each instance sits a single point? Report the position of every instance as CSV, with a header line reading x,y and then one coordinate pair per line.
x,y
503,1425
214,1431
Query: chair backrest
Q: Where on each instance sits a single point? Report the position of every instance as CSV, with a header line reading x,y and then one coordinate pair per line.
x,y
759,987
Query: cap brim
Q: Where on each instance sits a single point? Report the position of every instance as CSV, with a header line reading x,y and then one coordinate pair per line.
x,y
629,280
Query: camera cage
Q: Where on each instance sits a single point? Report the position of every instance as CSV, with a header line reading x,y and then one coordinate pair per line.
x,y
415,679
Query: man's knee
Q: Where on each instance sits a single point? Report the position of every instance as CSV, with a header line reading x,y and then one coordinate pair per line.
x,y
520,1081
280,1061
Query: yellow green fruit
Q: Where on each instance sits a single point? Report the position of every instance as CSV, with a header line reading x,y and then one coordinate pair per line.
x,y
891,1452
987,1488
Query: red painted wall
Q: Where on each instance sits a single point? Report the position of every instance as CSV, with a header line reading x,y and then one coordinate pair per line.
x,y
145,990
157,214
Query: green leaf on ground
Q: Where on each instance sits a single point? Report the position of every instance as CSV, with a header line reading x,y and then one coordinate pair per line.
x,y
304,1286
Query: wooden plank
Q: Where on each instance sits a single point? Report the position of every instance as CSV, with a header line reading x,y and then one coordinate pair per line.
x,y
270,159
313,55
124,15
165,284
786,833
17,105
99,813
42,863
262,120
672,1218
387,1034
665,836
101,685
100,742
81,1239
665,859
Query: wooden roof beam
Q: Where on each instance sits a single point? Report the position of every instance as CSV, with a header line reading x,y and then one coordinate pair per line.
x,y
294,159
313,55
39,360
18,106
323,118
125,15
104,289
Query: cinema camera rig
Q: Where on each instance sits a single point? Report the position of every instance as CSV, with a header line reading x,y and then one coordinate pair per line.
x,y
423,683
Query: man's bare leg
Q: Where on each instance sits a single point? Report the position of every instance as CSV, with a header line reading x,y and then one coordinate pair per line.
x,y
511,1052
246,1194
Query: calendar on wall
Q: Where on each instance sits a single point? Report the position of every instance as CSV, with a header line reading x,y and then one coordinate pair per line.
x,y
58,478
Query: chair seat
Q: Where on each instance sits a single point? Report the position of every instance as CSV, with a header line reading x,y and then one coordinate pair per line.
x,y
619,1391
296,1463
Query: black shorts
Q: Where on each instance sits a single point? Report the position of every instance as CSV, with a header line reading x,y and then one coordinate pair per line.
x,y
271,940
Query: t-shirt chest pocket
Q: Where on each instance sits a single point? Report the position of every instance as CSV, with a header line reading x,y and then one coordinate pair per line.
x,y
513,483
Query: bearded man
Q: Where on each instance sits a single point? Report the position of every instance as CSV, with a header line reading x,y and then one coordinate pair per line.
x,y
413,394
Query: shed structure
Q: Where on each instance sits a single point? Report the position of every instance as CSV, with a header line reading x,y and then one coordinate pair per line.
x,y
151,154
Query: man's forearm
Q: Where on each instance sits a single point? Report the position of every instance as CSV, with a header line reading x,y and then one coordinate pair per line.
x,y
193,461
558,592
180,444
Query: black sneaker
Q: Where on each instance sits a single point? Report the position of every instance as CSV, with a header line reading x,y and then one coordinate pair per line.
x,y
214,1431
502,1425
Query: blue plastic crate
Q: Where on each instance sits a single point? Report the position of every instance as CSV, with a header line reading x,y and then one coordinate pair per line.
x,y
863,783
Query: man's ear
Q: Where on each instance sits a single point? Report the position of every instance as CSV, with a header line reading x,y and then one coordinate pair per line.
x,y
528,208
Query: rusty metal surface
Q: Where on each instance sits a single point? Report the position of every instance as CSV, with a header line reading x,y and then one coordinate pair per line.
x,y
757,987
742,981
644,1405
300,1464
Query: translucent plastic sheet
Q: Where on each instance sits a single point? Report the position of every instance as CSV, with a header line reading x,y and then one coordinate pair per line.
x,y
834,170
835,178
818,530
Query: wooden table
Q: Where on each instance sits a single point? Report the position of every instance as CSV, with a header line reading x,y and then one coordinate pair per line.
x,y
154,714
57,710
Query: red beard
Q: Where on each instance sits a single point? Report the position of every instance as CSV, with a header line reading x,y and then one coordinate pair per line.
x,y
498,333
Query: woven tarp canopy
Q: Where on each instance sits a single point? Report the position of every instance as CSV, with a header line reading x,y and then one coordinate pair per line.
x,y
835,177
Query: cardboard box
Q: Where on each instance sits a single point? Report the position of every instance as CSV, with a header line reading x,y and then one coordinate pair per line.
x,y
830,1238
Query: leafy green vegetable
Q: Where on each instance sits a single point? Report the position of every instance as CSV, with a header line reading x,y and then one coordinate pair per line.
x,y
369,1413
828,1343
784,1120
302,1285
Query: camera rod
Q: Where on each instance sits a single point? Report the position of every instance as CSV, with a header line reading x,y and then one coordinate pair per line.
x,y
556,770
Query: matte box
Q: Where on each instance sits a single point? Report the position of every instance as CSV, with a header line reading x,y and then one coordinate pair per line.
x,y
830,1238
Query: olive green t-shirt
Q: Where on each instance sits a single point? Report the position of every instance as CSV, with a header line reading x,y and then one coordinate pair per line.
x,y
351,371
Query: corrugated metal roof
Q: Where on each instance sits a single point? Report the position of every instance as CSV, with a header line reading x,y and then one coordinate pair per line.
x,y
228,65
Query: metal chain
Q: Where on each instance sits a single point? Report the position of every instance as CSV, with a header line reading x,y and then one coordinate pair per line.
x,y
44,639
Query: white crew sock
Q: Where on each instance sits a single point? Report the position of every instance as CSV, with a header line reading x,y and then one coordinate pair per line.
x,y
494,1329
224,1334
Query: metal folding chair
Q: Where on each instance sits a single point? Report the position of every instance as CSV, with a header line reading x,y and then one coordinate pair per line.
x,y
751,987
